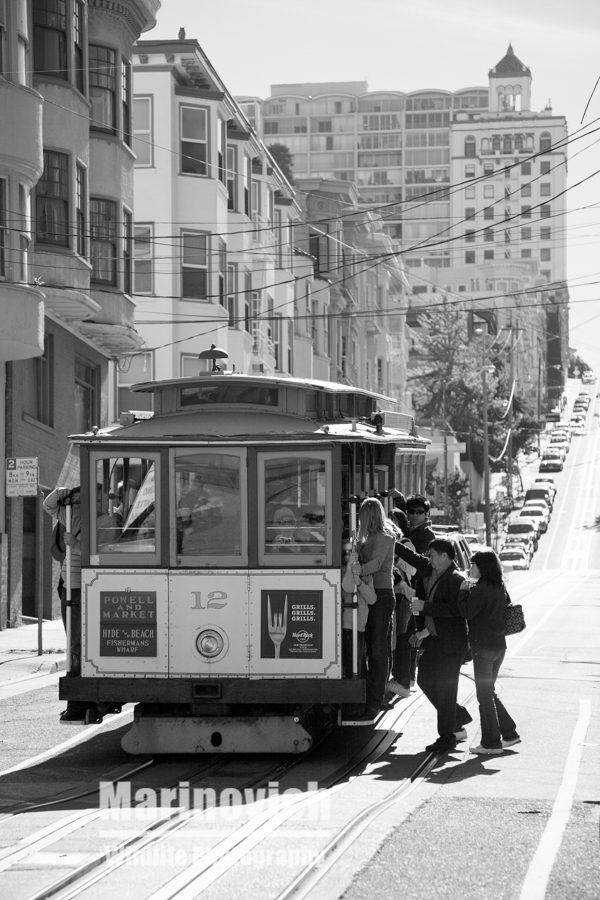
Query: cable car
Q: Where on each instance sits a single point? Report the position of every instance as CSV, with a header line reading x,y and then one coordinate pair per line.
x,y
212,533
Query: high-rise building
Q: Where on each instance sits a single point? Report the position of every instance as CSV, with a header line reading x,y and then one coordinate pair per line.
x,y
471,180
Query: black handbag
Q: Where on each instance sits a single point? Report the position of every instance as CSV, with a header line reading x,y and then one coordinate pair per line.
x,y
514,619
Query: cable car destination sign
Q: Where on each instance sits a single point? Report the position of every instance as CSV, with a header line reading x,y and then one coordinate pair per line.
x,y
21,476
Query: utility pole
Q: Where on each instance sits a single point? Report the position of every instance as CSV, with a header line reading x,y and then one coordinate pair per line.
x,y
446,512
509,454
486,461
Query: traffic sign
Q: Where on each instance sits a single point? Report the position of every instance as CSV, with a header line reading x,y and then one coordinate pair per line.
x,y
21,476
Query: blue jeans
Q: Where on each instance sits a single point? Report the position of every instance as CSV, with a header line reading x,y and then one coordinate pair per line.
x,y
377,638
495,721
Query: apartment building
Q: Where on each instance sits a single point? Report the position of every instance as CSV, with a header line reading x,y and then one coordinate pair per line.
x,y
213,242
66,237
471,179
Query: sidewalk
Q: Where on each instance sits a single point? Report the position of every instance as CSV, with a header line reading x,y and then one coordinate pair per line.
x,y
19,650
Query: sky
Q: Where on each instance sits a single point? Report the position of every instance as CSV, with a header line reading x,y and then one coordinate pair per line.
x,y
406,46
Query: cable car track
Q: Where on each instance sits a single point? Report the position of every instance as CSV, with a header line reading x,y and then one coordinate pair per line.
x,y
225,853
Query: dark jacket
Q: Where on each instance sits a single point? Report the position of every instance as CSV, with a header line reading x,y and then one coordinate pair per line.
x,y
422,536
484,605
449,622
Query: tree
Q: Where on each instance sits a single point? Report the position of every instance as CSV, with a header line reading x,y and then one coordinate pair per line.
x,y
449,388
284,159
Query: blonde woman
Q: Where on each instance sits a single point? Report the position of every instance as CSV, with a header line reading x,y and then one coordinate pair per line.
x,y
375,541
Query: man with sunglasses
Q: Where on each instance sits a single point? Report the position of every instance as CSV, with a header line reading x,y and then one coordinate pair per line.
x,y
420,530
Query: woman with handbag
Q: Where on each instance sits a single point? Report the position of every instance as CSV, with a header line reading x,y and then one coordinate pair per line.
x,y
484,605
375,542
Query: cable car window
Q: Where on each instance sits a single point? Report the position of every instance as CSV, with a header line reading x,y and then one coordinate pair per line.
x,y
125,521
294,520
209,526
253,394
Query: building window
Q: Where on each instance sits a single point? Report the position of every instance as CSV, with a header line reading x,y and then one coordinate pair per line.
x,y
488,235
134,370
545,233
545,142
469,212
222,258
232,290
247,299
194,268
52,200
526,253
525,234
470,257
488,190
525,212
526,190
488,212
221,150
507,143
525,168
127,251
470,147
87,396
24,233
143,260
247,181
545,189
545,167
50,38
545,254
103,240
231,177
469,171
488,254
3,228
143,141
43,368
78,45
469,237
194,140
469,193
488,168
80,210
103,87
126,100
545,211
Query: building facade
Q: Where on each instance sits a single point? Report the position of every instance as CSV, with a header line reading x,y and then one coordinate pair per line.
x,y
66,224
228,253
472,179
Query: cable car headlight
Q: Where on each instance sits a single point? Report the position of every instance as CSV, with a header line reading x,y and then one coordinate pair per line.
x,y
211,644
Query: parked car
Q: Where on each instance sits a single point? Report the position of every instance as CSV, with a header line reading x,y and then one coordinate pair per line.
x,y
559,436
564,446
546,482
525,528
514,558
554,464
588,378
579,429
519,540
537,512
461,545
539,493
552,451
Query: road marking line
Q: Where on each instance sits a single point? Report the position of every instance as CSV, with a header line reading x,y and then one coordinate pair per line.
x,y
540,868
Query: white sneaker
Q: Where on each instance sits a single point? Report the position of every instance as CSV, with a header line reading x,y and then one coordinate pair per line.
x,y
396,688
486,751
